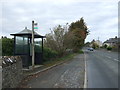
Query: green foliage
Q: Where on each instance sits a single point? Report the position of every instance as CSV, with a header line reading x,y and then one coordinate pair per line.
x,y
87,44
80,32
95,45
49,54
60,59
80,51
38,48
60,39
80,24
56,40
101,47
105,46
109,48
7,46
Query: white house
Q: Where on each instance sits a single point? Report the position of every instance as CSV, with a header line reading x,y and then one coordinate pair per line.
x,y
111,42
98,42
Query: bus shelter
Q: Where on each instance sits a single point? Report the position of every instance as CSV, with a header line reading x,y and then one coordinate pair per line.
x,y
23,47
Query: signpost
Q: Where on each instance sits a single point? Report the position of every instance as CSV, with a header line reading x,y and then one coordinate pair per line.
x,y
33,52
34,26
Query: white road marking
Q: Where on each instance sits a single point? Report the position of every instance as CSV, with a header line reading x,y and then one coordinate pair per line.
x,y
85,78
108,57
116,60
113,59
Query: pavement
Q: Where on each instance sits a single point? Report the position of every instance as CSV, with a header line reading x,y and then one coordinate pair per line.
x,y
0,77
69,74
102,69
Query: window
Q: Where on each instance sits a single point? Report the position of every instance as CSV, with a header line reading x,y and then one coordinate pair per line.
x,y
21,45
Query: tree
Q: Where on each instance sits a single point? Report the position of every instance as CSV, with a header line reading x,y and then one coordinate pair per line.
x,y
105,46
80,32
94,44
56,39
60,39
87,44
7,46
69,40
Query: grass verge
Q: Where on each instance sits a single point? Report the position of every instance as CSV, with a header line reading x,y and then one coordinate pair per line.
x,y
62,59
80,52
59,60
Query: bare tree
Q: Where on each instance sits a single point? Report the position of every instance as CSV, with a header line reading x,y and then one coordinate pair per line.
x,y
58,39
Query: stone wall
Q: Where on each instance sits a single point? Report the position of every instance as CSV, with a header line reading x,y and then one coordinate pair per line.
x,y
12,73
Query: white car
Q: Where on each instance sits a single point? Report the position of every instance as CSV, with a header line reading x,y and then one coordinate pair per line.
x,y
91,49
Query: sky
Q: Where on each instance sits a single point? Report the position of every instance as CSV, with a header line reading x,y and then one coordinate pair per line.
x,y
101,17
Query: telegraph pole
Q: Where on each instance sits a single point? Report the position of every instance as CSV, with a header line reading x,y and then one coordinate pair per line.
x,y
33,51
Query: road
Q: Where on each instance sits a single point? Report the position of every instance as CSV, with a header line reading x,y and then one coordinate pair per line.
x,y
67,75
102,69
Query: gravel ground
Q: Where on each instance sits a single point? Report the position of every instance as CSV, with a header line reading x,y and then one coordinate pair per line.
x,y
67,75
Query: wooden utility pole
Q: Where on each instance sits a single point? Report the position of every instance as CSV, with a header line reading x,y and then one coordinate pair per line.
x,y
33,51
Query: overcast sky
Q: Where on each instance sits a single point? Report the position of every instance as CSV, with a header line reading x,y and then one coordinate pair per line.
x,y
101,17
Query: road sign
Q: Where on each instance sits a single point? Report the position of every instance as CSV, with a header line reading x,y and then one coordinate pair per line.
x,y
35,26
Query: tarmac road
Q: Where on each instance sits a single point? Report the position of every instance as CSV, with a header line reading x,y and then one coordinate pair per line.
x,y
67,75
102,69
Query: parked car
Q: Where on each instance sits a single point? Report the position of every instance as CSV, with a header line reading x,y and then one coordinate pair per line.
x,y
91,49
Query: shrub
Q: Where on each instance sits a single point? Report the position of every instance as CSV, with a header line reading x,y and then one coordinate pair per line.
x,y
49,54
109,48
101,47
95,45
7,46
80,51
38,48
105,46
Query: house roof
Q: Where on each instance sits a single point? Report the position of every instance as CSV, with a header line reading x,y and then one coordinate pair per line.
x,y
27,32
112,40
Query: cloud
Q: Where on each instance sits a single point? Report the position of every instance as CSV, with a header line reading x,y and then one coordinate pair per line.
x,y
101,17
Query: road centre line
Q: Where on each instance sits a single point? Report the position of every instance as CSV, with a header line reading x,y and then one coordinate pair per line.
x,y
113,59
108,57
